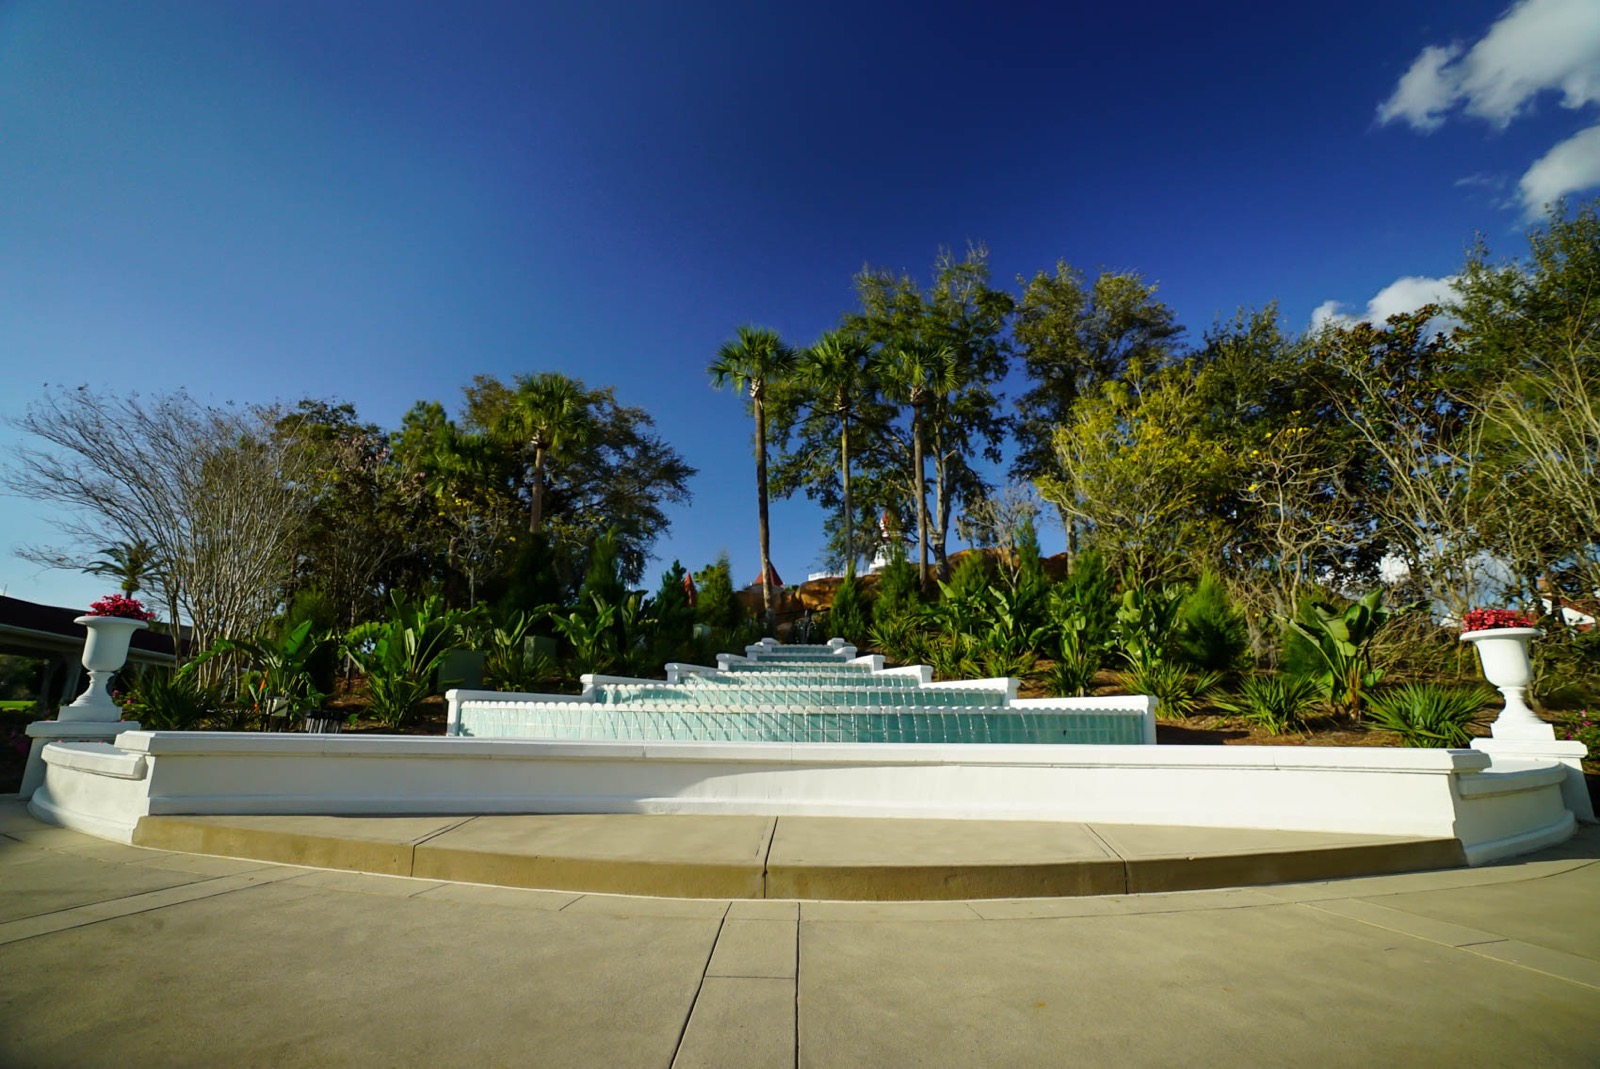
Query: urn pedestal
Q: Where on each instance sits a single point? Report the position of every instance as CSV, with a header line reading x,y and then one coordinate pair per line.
x,y
1518,733
1503,653
94,717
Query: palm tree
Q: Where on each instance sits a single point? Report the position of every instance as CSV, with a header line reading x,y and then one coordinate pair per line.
x,y
133,563
550,414
913,375
834,373
755,359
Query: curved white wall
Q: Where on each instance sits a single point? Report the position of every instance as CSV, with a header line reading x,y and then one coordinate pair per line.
x,y
1495,806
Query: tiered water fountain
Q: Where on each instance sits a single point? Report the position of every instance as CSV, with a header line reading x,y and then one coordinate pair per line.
x,y
819,731
803,694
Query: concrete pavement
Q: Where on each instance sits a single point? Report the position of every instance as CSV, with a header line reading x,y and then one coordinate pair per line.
x,y
117,955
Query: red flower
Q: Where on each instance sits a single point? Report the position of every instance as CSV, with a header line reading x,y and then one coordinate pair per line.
x,y
1484,619
120,605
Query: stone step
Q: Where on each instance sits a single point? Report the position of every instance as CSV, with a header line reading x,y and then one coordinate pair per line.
x,y
814,858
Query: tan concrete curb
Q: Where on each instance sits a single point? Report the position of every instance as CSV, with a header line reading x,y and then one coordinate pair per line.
x,y
736,857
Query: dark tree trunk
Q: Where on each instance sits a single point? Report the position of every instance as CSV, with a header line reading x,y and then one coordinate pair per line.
x,y
761,501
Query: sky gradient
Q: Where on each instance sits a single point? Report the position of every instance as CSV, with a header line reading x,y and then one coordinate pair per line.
x,y
374,203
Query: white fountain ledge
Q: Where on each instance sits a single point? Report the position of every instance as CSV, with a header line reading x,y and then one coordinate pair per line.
x,y
1496,806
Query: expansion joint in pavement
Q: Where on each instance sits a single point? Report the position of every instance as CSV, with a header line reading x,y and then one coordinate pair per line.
x,y
700,986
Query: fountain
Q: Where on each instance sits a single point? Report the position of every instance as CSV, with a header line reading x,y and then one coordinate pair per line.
x,y
819,731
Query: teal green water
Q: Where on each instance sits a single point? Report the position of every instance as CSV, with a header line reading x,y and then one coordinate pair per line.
x,y
590,722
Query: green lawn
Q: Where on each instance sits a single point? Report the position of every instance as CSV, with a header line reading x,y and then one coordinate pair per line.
x,y
16,707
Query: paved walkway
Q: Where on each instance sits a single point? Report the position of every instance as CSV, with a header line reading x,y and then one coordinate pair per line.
x,y
121,956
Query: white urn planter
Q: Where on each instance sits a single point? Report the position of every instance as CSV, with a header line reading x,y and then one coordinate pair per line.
x,y
105,651
1503,653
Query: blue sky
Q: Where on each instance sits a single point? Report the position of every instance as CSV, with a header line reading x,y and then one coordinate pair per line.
x,y
375,203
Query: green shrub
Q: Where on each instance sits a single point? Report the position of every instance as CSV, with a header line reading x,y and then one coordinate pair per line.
x,y
1426,714
1212,634
898,638
849,618
163,700
516,660
899,592
1072,674
1582,728
1089,588
1274,703
996,661
715,603
949,656
1177,691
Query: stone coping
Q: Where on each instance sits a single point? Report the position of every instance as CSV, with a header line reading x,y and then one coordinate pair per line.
x,y
810,858
1347,758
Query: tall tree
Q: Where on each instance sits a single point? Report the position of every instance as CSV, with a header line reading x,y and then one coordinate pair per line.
x,y
1531,332
620,478
356,531
1135,470
1400,388
132,564
1074,338
550,414
831,382
755,359
961,314
914,375
216,492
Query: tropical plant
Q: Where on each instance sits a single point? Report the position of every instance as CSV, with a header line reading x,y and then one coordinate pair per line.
x,y
588,629
1078,656
1082,615
753,361
132,563
400,655
1427,714
1341,639
897,637
1148,620
160,699
1275,703
949,654
275,668
515,659
1178,692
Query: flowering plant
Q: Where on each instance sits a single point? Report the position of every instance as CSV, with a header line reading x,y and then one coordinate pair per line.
x,y
1484,619
121,605
1583,729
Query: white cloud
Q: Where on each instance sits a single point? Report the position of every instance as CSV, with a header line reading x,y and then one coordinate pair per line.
x,y
1536,46
1405,294
1425,92
1328,314
1570,167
